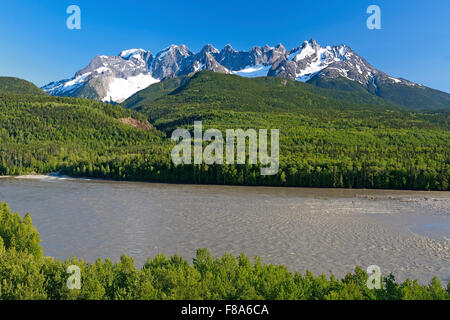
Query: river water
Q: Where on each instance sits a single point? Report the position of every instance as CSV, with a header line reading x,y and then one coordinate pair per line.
x,y
322,230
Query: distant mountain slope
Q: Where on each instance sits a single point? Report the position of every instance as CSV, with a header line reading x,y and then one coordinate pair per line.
x,y
415,97
154,92
253,89
213,93
115,78
18,86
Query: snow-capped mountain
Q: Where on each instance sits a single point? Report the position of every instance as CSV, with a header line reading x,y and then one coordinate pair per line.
x,y
106,78
311,60
115,78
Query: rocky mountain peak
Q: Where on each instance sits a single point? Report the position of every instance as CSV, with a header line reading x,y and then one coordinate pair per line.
x,y
134,54
313,43
174,51
209,48
227,48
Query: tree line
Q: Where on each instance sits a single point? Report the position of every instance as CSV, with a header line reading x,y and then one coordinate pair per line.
x,y
323,142
25,273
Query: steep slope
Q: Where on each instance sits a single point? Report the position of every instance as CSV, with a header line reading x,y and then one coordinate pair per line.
x,y
339,67
219,92
154,92
46,134
106,78
264,87
18,86
411,96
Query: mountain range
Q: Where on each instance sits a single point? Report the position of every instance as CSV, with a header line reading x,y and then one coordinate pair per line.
x,y
116,78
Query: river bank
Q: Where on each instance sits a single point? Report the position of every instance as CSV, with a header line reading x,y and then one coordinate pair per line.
x,y
323,230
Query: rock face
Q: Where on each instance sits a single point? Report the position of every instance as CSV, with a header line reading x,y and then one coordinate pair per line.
x,y
204,60
115,78
167,63
108,78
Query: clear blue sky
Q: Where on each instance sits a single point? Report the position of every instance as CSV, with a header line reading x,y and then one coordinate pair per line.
x,y
414,42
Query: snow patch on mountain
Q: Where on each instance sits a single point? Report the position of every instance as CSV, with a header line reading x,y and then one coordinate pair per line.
x,y
395,80
253,71
131,53
102,70
78,80
120,89
307,51
67,86
312,58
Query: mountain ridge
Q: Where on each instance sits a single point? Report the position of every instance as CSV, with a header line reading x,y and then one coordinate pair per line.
x,y
233,83
12,85
116,78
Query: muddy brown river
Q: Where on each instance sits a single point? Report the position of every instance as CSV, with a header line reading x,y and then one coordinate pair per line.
x,y
323,230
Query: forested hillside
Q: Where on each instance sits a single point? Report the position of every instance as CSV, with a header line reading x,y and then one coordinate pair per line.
x,y
326,140
44,134
153,92
414,97
18,86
